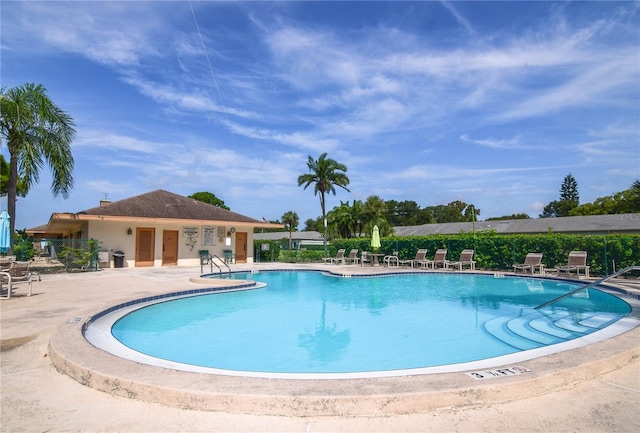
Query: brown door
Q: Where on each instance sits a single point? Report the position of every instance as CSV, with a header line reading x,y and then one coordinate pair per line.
x,y
169,247
145,245
241,247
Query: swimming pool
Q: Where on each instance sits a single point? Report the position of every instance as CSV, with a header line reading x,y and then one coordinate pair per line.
x,y
309,322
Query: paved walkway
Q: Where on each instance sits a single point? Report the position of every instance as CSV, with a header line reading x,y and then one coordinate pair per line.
x,y
595,389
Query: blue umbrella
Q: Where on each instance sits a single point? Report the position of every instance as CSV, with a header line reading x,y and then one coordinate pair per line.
x,y
5,235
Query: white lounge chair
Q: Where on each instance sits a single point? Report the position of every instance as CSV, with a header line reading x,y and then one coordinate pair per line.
x,y
466,259
419,258
339,258
439,259
352,257
531,262
577,261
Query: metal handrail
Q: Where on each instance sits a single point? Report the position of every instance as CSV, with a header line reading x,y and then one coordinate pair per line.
x,y
595,283
212,256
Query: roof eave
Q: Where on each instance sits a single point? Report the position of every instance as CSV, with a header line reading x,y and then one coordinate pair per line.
x,y
89,217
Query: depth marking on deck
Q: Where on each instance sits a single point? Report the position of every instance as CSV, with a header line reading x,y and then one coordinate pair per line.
x,y
499,372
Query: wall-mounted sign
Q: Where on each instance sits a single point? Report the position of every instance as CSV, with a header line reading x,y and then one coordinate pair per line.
x,y
208,235
189,232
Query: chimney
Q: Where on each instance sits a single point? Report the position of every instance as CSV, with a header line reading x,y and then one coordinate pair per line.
x,y
105,200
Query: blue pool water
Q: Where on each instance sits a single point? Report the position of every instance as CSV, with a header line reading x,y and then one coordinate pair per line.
x,y
308,322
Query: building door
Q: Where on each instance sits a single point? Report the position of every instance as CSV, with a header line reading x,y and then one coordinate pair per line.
x,y
169,247
145,245
241,247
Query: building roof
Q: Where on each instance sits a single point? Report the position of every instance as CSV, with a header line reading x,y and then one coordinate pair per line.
x,y
159,205
588,224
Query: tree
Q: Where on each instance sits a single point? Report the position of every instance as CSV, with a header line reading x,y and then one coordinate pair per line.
x,y
404,213
21,189
557,208
357,218
36,130
515,216
627,201
347,221
569,190
326,174
313,224
209,197
569,199
340,218
290,220
375,210
456,211
635,196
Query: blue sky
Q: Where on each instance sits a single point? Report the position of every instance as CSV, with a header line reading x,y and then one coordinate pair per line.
x,y
490,103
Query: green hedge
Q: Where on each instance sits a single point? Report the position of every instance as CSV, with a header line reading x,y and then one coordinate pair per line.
x,y
279,251
500,252
300,256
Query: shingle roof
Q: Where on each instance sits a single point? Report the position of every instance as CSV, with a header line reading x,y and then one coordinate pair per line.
x,y
164,204
589,224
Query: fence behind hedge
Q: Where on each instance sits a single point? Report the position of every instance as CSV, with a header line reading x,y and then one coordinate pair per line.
x,y
605,254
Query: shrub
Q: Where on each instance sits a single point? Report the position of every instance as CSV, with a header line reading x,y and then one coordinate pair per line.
x,y
500,252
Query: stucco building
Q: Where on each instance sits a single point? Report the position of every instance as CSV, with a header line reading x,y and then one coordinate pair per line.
x,y
158,228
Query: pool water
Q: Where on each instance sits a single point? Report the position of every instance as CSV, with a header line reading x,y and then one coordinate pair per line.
x,y
309,322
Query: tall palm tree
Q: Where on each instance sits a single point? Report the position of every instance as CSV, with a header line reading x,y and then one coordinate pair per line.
x,y
36,131
326,174
290,220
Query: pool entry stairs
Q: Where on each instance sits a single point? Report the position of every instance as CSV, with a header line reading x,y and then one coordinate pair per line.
x,y
541,326
536,328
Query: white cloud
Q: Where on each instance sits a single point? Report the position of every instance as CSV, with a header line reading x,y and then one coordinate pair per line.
x,y
512,143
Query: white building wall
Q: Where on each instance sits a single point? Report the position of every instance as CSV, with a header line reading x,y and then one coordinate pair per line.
x,y
114,236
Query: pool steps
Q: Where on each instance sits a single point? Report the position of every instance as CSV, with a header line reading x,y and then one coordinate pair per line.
x,y
534,329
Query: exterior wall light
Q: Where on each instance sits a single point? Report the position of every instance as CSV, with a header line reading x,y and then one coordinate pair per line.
x,y
129,231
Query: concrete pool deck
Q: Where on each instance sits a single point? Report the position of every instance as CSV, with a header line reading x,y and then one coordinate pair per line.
x,y
595,388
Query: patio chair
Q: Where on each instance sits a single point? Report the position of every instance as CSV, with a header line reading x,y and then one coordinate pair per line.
x,y
418,259
577,261
531,262
338,258
439,259
5,263
229,256
364,258
204,257
391,260
466,259
352,257
18,273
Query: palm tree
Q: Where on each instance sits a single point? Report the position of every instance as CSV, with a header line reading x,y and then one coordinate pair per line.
x,y
36,130
375,208
291,220
326,174
341,219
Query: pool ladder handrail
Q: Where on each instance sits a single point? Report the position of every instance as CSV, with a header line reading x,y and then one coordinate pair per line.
x,y
593,284
210,258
